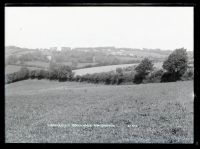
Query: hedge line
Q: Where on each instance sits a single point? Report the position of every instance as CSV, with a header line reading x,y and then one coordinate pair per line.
x,y
64,73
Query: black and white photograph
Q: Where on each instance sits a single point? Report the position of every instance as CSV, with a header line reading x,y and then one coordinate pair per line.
x,y
99,74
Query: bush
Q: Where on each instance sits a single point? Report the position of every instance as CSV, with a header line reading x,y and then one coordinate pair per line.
x,y
169,77
138,78
32,74
10,78
22,74
114,78
154,77
119,71
120,80
128,76
77,78
60,72
44,74
188,75
107,77
39,74
64,73
53,71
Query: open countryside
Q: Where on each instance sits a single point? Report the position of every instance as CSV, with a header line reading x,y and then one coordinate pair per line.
x,y
159,113
46,103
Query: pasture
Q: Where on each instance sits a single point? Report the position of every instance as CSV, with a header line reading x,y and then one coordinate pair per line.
x,y
37,64
100,69
14,68
146,113
107,68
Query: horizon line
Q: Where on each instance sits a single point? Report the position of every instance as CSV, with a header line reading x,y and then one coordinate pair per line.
x,y
59,47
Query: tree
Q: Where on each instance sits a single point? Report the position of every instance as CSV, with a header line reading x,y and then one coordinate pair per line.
x,y
176,63
64,73
145,67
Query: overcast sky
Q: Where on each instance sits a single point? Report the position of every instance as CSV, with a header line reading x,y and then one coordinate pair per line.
x,y
134,27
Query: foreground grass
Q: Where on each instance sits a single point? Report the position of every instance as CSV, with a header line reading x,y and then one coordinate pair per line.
x,y
157,113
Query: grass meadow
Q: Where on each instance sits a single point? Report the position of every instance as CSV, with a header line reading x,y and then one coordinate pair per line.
x,y
146,113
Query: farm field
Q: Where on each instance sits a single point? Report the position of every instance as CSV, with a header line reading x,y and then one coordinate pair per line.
x,y
146,113
37,63
100,69
14,68
80,65
107,68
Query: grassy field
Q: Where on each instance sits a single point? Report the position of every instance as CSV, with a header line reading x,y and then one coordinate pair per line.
x,y
146,113
37,63
82,71
107,68
100,69
13,68
81,65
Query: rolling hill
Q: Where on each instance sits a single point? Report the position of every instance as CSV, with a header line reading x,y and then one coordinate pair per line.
x,y
69,112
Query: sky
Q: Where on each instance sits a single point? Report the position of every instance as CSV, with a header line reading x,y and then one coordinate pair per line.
x,y
166,28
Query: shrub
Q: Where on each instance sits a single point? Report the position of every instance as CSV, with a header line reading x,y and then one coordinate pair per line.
x,y
154,77
138,78
22,74
10,78
77,78
64,73
120,80
32,74
53,71
108,78
128,76
119,71
114,79
44,74
188,75
60,72
169,77
39,74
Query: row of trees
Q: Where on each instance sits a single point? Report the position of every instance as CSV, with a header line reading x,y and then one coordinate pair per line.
x,y
174,68
55,72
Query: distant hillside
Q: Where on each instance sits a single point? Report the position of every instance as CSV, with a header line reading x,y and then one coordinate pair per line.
x,y
13,50
9,50
83,57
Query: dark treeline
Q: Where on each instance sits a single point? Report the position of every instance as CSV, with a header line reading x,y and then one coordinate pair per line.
x,y
64,73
